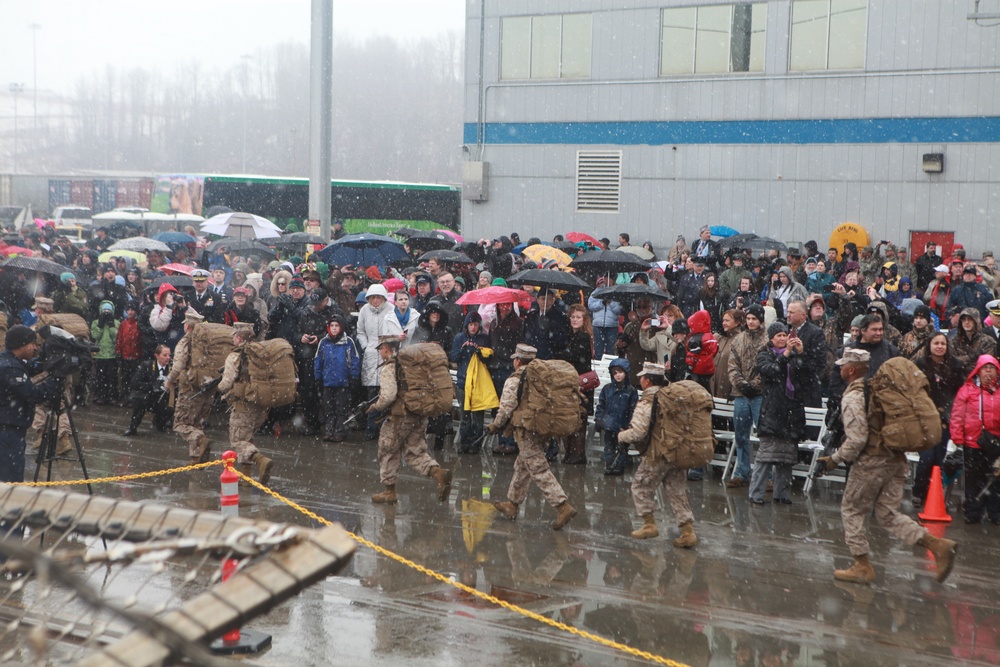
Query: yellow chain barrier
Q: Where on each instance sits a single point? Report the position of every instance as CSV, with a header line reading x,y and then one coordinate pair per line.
x,y
645,655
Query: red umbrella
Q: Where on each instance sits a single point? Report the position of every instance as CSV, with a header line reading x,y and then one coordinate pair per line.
x,y
15,250
177,268
577,237
495,294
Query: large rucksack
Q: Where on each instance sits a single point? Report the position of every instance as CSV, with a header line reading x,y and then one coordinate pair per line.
x,y
209,346
69,322
549,402
900,406
271,377
680,428
423,380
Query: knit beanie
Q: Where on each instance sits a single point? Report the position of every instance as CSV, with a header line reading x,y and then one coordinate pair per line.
x,y
66,276
775,329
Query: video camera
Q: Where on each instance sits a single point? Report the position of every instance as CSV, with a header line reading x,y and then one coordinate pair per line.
x,y
63,353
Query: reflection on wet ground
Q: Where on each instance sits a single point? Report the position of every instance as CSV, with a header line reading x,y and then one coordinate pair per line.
x,y
757,590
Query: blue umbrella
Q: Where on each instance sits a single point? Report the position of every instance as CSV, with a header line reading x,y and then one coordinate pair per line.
x,y
722,231
363,250
175,237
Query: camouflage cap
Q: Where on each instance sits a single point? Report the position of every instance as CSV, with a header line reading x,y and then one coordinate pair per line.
x,y
387,340
525,352
192,316
243,328
649,368
44,303
854,356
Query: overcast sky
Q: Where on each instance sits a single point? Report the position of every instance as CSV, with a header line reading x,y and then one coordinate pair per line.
x,y
77,38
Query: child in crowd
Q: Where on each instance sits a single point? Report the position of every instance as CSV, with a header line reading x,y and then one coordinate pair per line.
x,y
614,413
128,344
337,366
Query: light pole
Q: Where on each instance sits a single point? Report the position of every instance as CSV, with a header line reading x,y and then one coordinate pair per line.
x,y
15,90
246,59
34,28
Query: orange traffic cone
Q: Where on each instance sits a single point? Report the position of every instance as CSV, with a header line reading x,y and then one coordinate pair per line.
x,y
934,509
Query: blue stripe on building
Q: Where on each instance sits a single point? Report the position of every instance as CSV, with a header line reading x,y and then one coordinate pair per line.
x,y
828,131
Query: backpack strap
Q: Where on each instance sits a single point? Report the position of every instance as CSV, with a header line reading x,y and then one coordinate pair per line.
x,y
643,445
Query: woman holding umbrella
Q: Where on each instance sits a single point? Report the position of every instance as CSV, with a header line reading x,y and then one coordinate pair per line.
x,y
579,351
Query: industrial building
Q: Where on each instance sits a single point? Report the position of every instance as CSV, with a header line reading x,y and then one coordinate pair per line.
x,y
781,117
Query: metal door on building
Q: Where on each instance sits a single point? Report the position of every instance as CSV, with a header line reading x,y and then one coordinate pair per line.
x,y
918,243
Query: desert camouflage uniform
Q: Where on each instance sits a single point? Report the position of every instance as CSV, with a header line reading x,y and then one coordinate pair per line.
x,y
871,267
530,464
652,471
403,433
190,412
63,430
876,479
244,417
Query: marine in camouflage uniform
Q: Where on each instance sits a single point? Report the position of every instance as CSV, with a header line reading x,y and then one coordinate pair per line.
x,y
530,465
871,266
190,411
654,470
403,434
245,417
876,480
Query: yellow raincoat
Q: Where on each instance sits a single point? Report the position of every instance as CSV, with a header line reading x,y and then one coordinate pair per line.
x,y
480,394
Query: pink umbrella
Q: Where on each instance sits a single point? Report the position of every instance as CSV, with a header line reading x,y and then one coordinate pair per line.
x,y
495,294
458,239
177,268
392,284
15,250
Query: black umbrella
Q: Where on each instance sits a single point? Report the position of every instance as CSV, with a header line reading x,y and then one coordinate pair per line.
x,y
296,239
631,291
433,240
405,232
764,243
609,261
737,241
473,250
243,247
446,256
35,264
363,250
549,279
567,247
176,281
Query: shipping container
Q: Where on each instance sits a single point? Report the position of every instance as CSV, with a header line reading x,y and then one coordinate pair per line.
x,y
146,186
105,195
81,193
131,192
59,193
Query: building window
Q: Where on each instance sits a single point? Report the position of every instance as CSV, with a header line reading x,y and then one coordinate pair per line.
x,y
598,181
713,40
828,34
546,47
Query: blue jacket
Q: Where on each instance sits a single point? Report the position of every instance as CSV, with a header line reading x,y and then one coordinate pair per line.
x,y
461,353
337,364
18,394
617,401
605,316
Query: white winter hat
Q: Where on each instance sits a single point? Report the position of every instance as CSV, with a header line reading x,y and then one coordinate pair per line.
x,y
377,290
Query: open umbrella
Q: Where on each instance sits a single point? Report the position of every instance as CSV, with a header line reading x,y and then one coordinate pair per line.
x,y
296,239
737,240
140,244
540,253
243,247
17,250
405,232
558,280
495,294
34,264
631,291
722,231
182,269
609,261
433,240
111,254
455,235
639,252
363,250
577,237
764,243
241,226
175,238
176,281
446,256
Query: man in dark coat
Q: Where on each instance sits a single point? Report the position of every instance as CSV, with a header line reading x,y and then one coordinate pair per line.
x,y
925,265
872,341
707,249
311,319
203,299
148,393
447,296
689,288
813,353
546,327
499,260
969,293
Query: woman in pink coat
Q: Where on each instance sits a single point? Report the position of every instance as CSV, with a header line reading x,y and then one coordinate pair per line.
x,y
975,426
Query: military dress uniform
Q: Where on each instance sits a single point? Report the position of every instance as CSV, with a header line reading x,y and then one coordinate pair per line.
x,y
654,470
402,436
190,411
530,464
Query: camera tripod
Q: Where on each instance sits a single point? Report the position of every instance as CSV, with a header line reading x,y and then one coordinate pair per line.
x,y
57,407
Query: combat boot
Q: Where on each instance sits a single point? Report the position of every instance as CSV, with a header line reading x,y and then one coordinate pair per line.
x,y
648,528
507,508
64,445
687,539
565,513
443,478
860,573
202,450
944,553
262,467
388,496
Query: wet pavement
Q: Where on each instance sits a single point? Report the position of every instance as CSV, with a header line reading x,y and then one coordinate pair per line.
x,y
757,590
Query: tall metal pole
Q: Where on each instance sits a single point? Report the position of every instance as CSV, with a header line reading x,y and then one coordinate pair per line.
x,y
246,57
33,27
320,113
15,90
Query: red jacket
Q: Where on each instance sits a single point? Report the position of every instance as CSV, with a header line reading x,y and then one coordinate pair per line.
x,y
966,418
128,345
701,346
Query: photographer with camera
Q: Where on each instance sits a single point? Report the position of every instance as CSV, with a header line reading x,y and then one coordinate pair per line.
x,y
104,332
167,316
18,396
